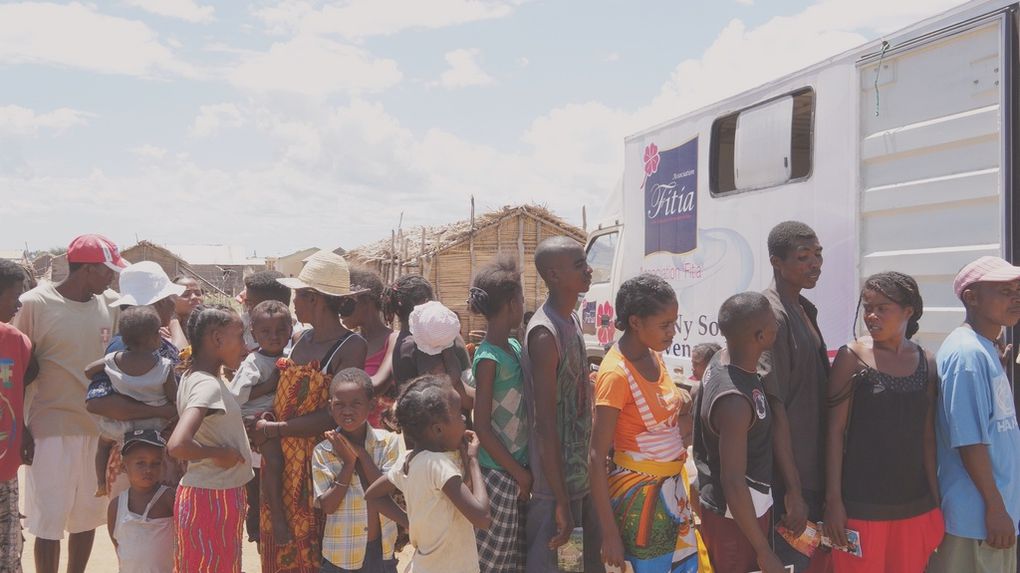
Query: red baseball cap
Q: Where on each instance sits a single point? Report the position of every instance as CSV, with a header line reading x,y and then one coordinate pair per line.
x,y
985,269
95,249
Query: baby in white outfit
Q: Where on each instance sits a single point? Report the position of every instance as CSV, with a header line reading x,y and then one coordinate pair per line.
x,y
137,373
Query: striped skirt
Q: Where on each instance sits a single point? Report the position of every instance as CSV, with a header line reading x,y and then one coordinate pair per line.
x,y
655,520
208,524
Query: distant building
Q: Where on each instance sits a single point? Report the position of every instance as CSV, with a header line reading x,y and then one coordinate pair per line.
x,y
216,267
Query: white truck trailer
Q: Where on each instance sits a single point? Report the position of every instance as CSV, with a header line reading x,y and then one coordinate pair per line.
x,y
901,154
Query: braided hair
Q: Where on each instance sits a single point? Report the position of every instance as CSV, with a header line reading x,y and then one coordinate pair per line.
x,y
641,296
494,286
407,292
901,289
423,401
204,319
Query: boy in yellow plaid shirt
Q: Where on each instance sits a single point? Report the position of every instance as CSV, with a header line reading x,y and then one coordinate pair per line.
x,y
359,534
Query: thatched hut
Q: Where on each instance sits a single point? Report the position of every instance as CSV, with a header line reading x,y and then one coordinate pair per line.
x,y
448,255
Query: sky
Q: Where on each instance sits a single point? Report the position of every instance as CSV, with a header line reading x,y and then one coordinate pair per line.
x,y
287,124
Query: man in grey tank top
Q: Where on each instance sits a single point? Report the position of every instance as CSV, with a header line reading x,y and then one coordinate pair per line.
x,y
796,373
560,400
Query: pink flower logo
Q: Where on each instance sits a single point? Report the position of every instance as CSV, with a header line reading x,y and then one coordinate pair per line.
x,y
651,159
605,322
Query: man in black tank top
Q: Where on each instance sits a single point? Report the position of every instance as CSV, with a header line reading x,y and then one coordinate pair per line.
x,y
733,441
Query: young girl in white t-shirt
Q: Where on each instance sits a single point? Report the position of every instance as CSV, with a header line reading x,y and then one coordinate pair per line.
x,y
210,435
441,479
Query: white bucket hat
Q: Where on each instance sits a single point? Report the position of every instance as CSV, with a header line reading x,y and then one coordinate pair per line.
x,y
434,327
325,272
144,283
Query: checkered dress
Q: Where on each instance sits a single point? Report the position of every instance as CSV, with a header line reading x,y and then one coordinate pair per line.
x,y
501,547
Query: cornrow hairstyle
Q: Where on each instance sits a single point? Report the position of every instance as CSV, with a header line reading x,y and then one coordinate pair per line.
x,y
137,323
264,286
366,278
407,292
783,236
737,313
204,319
269,309
641,296
353,376
899,288
424,401
11,273
494,286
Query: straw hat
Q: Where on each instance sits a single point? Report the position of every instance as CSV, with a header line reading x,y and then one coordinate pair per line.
x,y
325,272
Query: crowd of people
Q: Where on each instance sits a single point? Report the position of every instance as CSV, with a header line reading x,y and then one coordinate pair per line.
x,y
304,418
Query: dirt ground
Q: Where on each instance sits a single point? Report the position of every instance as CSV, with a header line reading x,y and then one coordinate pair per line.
x,y
104,558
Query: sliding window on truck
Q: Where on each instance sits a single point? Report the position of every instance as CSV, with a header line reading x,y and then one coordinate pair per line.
x,y
765,145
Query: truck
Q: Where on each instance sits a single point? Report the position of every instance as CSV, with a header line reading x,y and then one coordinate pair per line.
x,y
900,153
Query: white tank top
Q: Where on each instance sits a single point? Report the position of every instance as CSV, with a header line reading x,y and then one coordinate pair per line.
x,y
144,545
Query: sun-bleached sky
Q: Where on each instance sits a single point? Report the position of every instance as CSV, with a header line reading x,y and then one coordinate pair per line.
x,y
286,124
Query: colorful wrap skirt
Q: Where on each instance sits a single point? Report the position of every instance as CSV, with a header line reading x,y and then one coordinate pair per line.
x,y
654,516
301,390
208,524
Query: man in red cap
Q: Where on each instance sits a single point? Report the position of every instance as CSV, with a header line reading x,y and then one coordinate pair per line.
x,y
69,325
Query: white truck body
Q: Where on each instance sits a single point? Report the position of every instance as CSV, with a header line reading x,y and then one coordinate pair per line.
x,y
899,153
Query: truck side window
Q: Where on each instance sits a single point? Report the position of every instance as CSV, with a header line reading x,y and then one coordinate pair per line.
x,y
601,253
765,145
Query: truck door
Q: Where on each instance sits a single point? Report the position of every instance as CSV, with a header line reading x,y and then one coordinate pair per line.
x,y
935,159
597,313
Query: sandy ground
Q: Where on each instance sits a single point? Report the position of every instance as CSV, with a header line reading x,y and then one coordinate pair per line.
x,y
104,558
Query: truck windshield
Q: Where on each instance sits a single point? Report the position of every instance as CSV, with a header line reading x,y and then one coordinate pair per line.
x,y
601,253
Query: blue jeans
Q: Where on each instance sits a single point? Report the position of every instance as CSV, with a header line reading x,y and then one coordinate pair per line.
x,y
540,527
374,562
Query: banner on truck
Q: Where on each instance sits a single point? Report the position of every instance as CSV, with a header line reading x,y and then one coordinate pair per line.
x,y
671,198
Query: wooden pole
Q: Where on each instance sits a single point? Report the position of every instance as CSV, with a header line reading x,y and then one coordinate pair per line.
x,y
538,279
471,249
393,255
520,250
584,218
421,255
404,255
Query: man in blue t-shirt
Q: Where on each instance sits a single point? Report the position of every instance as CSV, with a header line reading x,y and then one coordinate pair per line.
x,y
976,425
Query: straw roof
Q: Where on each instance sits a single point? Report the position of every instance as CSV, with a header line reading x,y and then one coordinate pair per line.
x,y
439,238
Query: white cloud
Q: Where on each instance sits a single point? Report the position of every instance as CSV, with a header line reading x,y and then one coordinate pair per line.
x,y
213,117
523,62
79,36
464,70
17,120
346,173
745,2
612,57
315,66
357,19
186,10
148,151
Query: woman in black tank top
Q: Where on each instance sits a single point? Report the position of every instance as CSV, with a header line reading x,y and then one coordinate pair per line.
x,y
880,461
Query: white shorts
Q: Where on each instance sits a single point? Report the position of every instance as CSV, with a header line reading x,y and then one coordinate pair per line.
x,y
60,487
